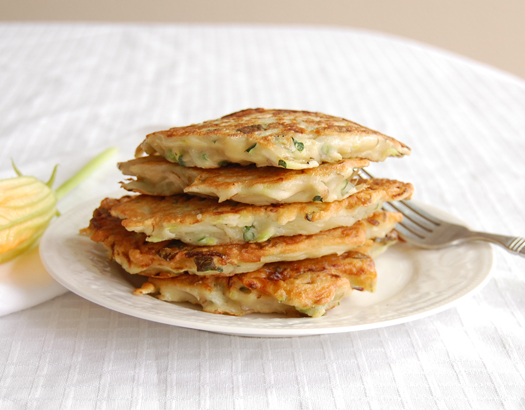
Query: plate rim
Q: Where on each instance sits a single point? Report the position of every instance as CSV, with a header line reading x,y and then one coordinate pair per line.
x,y
251,331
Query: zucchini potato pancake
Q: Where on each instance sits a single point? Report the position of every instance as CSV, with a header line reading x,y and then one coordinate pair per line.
x,y
251,185
278,138
171,258
203,221
258,211
308,287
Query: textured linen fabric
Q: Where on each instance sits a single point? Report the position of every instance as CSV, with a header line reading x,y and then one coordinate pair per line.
x,y
69,91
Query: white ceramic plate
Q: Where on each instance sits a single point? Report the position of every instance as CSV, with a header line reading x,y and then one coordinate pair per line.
x,y
412,283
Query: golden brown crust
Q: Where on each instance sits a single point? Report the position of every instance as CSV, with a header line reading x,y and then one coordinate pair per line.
x,y
276,138
171,258
275,276
151,214
263,125
223,178
311,286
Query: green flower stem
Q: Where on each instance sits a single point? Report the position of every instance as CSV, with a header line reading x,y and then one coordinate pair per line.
x,y
85,172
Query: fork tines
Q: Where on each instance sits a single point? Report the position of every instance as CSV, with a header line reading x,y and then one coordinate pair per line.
x,y
416,222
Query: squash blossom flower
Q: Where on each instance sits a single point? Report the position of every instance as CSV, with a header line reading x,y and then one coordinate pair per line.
x,y
27,206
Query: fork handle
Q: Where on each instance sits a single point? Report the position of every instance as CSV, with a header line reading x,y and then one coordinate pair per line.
x,y
513,244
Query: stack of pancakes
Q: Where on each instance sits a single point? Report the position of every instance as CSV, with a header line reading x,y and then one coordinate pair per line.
x,y
258,211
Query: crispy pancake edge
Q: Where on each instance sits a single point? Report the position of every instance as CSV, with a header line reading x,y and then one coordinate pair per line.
x,y
141,212
171,258
310,287
283,123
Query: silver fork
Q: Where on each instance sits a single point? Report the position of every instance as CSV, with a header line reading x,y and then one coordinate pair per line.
x,y
419,228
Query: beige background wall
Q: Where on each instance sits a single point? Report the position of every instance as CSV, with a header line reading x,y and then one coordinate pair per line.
x,y
491,31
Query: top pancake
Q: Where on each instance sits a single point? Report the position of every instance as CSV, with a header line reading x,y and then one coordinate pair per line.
x,y
278,138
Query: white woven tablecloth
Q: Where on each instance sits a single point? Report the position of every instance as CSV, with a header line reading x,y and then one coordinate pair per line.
x,y
69,91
